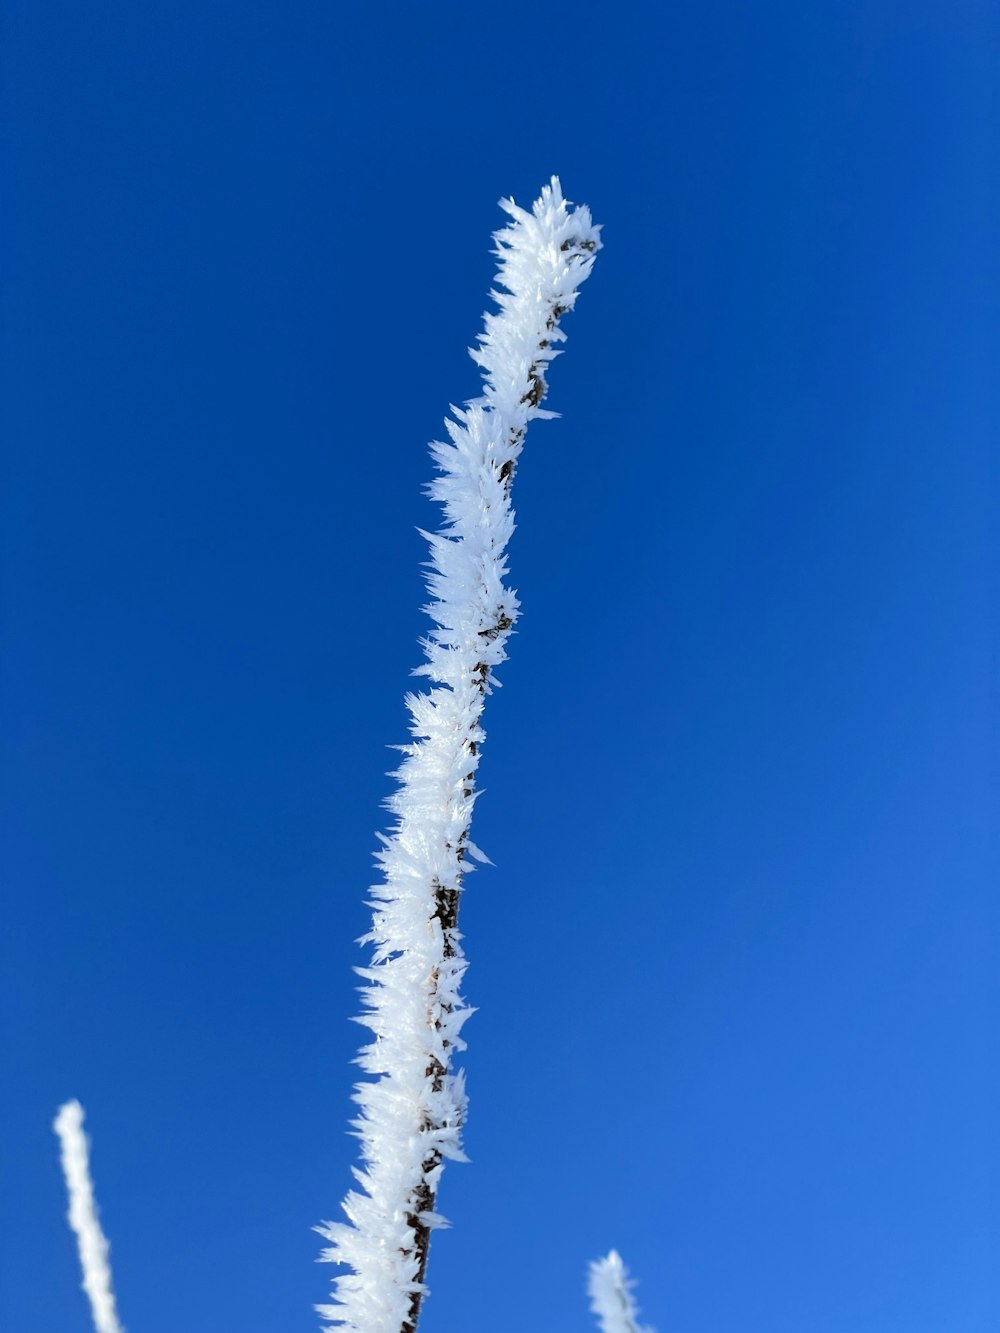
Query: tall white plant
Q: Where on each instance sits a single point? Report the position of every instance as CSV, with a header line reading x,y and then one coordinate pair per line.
x,y
411,1116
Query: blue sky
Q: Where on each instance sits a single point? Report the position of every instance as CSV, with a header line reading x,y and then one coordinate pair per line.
x,y
735,964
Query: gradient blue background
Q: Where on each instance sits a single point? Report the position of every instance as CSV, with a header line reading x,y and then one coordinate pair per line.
x,y
735,964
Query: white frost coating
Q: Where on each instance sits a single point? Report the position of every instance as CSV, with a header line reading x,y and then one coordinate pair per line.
x,y
411,1115
610,1289
92,1242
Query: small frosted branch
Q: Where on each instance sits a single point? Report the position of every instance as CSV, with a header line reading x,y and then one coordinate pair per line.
x,y
91,1240
413,1110
610,1289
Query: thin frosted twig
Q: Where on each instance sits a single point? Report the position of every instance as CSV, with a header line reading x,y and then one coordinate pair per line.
x,y
412,1113
91,1240
610,1290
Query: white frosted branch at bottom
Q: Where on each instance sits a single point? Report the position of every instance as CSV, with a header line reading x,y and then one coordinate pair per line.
x,y
91,1240
610,1289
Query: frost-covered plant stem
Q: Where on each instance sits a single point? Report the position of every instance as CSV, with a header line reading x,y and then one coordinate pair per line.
x,y
411,1115
91,1240
610,1290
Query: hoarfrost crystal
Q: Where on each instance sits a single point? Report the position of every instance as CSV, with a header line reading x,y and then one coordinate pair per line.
x,y
610,1290
91,1240
412,1114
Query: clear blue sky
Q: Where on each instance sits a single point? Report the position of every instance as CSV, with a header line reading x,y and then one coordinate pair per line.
x,y
735,964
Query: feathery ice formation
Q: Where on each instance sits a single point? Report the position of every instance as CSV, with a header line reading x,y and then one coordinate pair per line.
x,y
412,1113
610,1289
91,1241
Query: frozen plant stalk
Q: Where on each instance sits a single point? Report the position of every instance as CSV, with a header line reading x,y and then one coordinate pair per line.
x,y
412,1114
91,1240
610,1290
